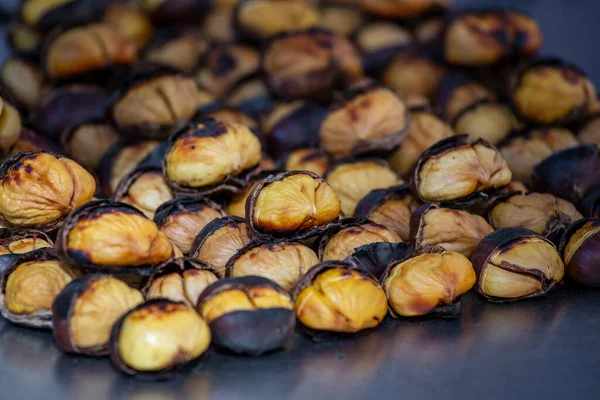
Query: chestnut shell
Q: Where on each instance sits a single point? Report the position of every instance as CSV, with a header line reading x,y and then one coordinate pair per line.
x,y
211,228
183,204
177,265
590,204
374,258
378,196
584,266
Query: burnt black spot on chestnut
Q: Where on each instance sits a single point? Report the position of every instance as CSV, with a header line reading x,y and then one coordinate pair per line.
x,y
582,258
374,258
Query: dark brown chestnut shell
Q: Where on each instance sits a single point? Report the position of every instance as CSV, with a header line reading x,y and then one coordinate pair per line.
x,y
584,266
183,204
590,204
374,258
178,12
72,13
211,228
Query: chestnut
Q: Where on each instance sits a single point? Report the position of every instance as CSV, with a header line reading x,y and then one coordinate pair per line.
x,y
413,74
144,188
459,171
211,156
543,213
181,279
589,133
250,96
378,42
18,241
374,258
296,204
22,80
220,240
112,237
87,142
568,174
49,14
177,49
428,284
341,19
157,337
131,22
29,283
154,101
590,204
486,120
516,263
10,126
32,141
457,92
391,207
38,190
453,230
368,120
248,315
334,296
578,251
183,218
428,31
309,63
84,312
424,130
236,205
307,160
354,179
218,25
404,9
228,115
175,12
551,91
342,239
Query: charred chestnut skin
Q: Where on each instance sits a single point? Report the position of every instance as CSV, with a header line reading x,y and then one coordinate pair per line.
x,y
176,12
581,265
374,258
251,332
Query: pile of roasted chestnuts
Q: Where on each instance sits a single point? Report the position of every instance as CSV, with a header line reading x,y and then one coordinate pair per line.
x,y
177,173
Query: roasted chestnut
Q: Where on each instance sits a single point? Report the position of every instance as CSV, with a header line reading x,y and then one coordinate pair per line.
x,y
211,156
516,263
144,188
38,190
307,160
551,91
183,218
84,312
248,315
236,206
334,296
130,21
453,230
456,92
378,42
579,252
31,141
413,74
296,204
391,207
368,120
220,240
428,31
18,241
424,130
375,258
250,96
10,126
459,171
354,179
589,133
157,337
88,142
428,284
310,63
486,120
341,19
22,80
49,14
112,237
227,115
178,49
29,283
218,25
341,240
404,9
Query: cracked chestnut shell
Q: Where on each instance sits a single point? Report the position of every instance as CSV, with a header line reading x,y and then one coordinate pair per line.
x,y
341,19
307,160
367,120
459,171
131,22
248,315
336,297
183,218
284,261
354,179
551,91
22,80
391,207
84,312
144,188
543,213
378,42
10,126
310,63
453,230
428,284
157,337
15,241
413,74
154,101
220,240
180,49
516,263
424,130
175,12
236,206
404,9
211,156
457,92
38,190
374,258
88,142
524,150
29,283
112,237
251,96
486,120
342,239
296,204
579,250
568,174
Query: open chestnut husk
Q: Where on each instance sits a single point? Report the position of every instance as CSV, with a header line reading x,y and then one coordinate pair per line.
x,y
211,156
368,120
112,237
453,230
29,283
88,142
486,120
334,296
84,312
175,12
15,241
297,204
22,80
144,188
458,171
543,213
457,92
516,263
38,190
180,49
580,253
248,315
250,96
157,337
181,219
428,284
220,240
343,238
310,63
413,74
378,42
307,160
10,126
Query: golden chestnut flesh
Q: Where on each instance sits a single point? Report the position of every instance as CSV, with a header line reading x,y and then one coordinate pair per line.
x,y
125,159
88,143
10,126
146,192
183,287
485,120
307,160
344,242
413,74
23,80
